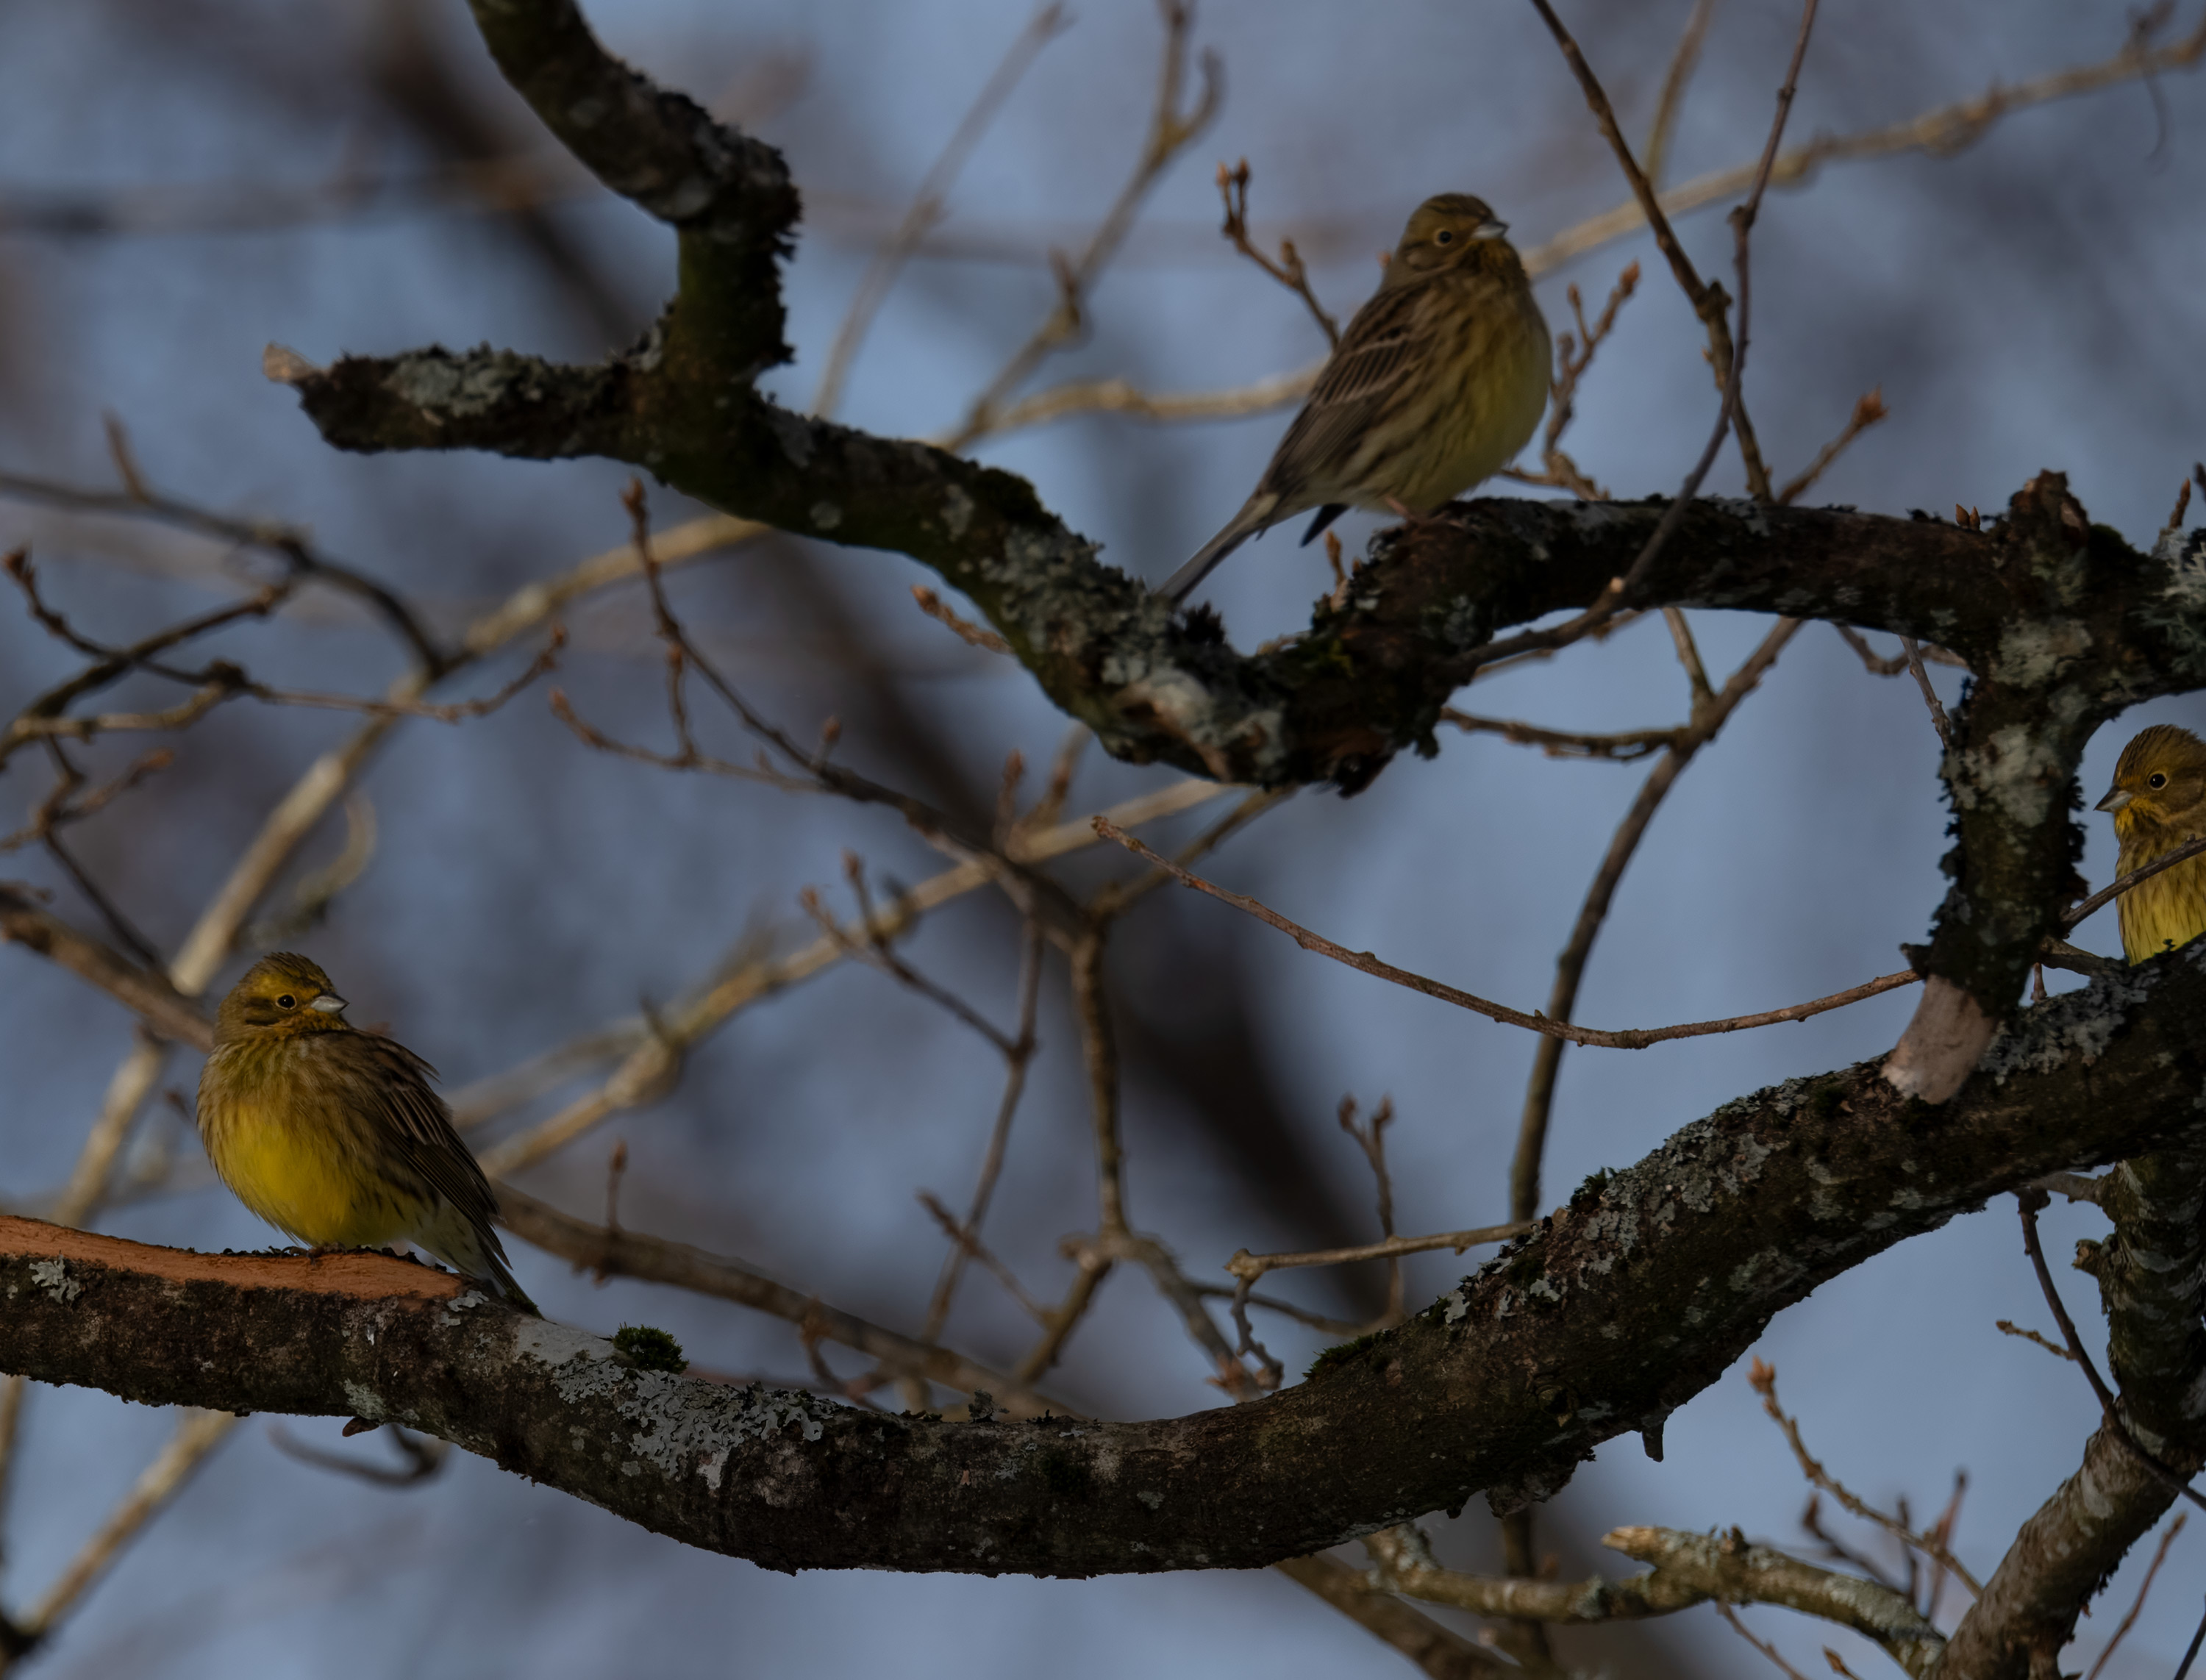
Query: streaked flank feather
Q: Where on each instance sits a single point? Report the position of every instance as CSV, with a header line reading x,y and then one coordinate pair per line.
x,y
1438,382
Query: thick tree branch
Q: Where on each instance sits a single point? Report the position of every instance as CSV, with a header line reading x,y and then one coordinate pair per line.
x,y
1371,675
729,196
1503,1385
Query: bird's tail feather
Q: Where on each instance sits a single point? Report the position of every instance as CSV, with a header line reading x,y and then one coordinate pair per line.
x,y
501,1275
473,1251
1256,515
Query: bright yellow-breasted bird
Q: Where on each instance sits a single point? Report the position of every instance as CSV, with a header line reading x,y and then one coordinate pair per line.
x,y
333,1136
1436,384
2158,801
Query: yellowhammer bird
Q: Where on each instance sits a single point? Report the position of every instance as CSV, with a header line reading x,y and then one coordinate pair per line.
x,y
2159,801
333,1136
1436,384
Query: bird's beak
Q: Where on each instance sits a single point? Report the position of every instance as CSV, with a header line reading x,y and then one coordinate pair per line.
x,y
328,1003
2116,800
1492,229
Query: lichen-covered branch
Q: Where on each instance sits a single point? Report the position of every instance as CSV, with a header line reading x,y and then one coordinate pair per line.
x,y
1371,675
2073,625
1622,1306
1689,1569
1442,1653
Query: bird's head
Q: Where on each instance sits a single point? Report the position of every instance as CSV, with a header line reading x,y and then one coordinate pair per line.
x,y
2160,783
1446,232
282,993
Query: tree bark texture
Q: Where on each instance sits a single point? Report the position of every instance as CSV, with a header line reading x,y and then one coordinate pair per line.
x,y
1627,1302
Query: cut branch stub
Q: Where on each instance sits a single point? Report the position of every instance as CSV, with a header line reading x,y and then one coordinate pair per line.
x,y
2072,625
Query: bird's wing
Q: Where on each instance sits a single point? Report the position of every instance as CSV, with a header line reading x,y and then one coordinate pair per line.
x,y
1378,351
417,1122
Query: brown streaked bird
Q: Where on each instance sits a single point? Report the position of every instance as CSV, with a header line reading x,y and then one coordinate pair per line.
x,y
333,1136
2158,801
1439,380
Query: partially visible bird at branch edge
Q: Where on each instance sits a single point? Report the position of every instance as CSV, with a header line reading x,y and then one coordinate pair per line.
x,y
1438,382
333,1134
2158,801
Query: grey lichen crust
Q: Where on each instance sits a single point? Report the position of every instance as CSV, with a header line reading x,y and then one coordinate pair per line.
x,y
673,1425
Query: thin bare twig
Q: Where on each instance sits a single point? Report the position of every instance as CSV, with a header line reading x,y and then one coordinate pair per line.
x,y
1764,1380
2008,1327
629,1254
1063,1318
974,635
1938,719
1016,1062
1727,353
1683,62
2190,1651
1330,1326
876,952
1364,962
1288,270
1621,747
2114,889
302,562
425,1455
1171,126
1573,356
1711,710
1941,131
1867,413
967,1243
119,925
928,204
56,811
2159,1556
1248,1266
1100,1054
2028,1200
316,891
1689,655
651,1058
1371,1139
1764,1646
1115,897
198,1433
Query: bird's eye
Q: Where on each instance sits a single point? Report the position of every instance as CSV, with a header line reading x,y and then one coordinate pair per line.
x,y
2157,780
1443,237
287,1002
